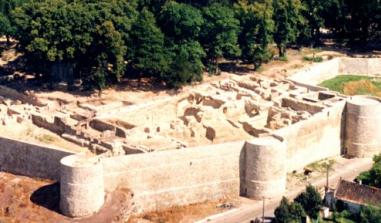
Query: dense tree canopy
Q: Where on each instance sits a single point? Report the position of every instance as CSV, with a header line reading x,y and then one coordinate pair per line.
x,y
311,201
288,212
256,30
173,41
373,176
220,33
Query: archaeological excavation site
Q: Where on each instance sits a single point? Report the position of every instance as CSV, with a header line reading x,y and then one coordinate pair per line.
x,y
234,137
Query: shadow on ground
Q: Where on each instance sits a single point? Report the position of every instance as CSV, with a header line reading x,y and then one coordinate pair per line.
x,y
47,196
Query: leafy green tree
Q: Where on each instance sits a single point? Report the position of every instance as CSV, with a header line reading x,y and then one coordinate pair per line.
x,y
181,22
220,33
282,212
373,176
75,38
311,201
288,212
365,18
187,64
256,30
370,214
6,27
148,53
286,17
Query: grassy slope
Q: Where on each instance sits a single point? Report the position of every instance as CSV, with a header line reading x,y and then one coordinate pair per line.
x,y
365,85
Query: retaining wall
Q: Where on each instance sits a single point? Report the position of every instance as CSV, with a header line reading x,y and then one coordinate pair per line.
x,y
29,159
317,73
314,139
360,66
177,177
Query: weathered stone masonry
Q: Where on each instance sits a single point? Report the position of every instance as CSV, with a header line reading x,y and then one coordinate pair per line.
x,y
302,126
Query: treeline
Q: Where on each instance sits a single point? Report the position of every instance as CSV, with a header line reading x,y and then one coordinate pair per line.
x,y
173,41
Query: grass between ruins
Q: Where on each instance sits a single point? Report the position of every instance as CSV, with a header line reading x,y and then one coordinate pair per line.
x,y
354,85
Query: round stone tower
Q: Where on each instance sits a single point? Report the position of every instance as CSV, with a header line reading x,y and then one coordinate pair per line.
x,y
81,184
363,126
265,168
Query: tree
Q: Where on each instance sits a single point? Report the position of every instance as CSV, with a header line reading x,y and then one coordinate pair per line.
x,y
220,33
6,27
256,32
370,214
187,64
311,201
148,53
181,22
286,18
282,212
288,212
373,176
67,38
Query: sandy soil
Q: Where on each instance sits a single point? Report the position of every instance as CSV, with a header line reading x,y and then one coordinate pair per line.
x,y
30,200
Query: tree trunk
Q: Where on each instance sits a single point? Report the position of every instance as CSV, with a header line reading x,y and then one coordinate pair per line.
x,y
282,51
8,40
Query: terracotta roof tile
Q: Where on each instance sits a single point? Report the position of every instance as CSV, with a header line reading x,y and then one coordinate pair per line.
x,y
357,193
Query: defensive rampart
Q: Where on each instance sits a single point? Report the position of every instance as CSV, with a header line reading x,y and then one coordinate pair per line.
x,y
29,159
316,138
177,177
324,127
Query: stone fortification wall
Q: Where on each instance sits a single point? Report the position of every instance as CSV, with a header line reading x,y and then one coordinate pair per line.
x,y
317,73
363,126
177,177
265,168
29,159
314,139
81,186
360,66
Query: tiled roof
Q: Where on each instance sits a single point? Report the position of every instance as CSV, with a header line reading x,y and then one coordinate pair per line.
x,y
357,193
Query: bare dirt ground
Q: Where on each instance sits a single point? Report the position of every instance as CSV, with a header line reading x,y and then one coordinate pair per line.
x,y
25,200
29,200
186,214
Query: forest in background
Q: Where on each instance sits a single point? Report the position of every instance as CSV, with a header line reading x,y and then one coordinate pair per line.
x,y
103,41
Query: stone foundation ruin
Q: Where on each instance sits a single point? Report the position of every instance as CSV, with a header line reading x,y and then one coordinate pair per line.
x,y
234,137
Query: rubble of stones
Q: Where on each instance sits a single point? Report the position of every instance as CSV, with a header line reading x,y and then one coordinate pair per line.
x,y
234,109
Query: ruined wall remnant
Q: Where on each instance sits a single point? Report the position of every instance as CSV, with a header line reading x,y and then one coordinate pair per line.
x,y
363,126
29,159
265,170
81,186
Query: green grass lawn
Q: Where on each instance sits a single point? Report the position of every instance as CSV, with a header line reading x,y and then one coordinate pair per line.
x,y
354,85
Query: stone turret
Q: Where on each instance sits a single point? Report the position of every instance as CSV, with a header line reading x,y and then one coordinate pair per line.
x,y
265,171
82,189
363,126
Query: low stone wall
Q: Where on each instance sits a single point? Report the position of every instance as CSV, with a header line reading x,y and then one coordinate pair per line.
x,y
314,139
29,159
317,73
360,66
177,177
